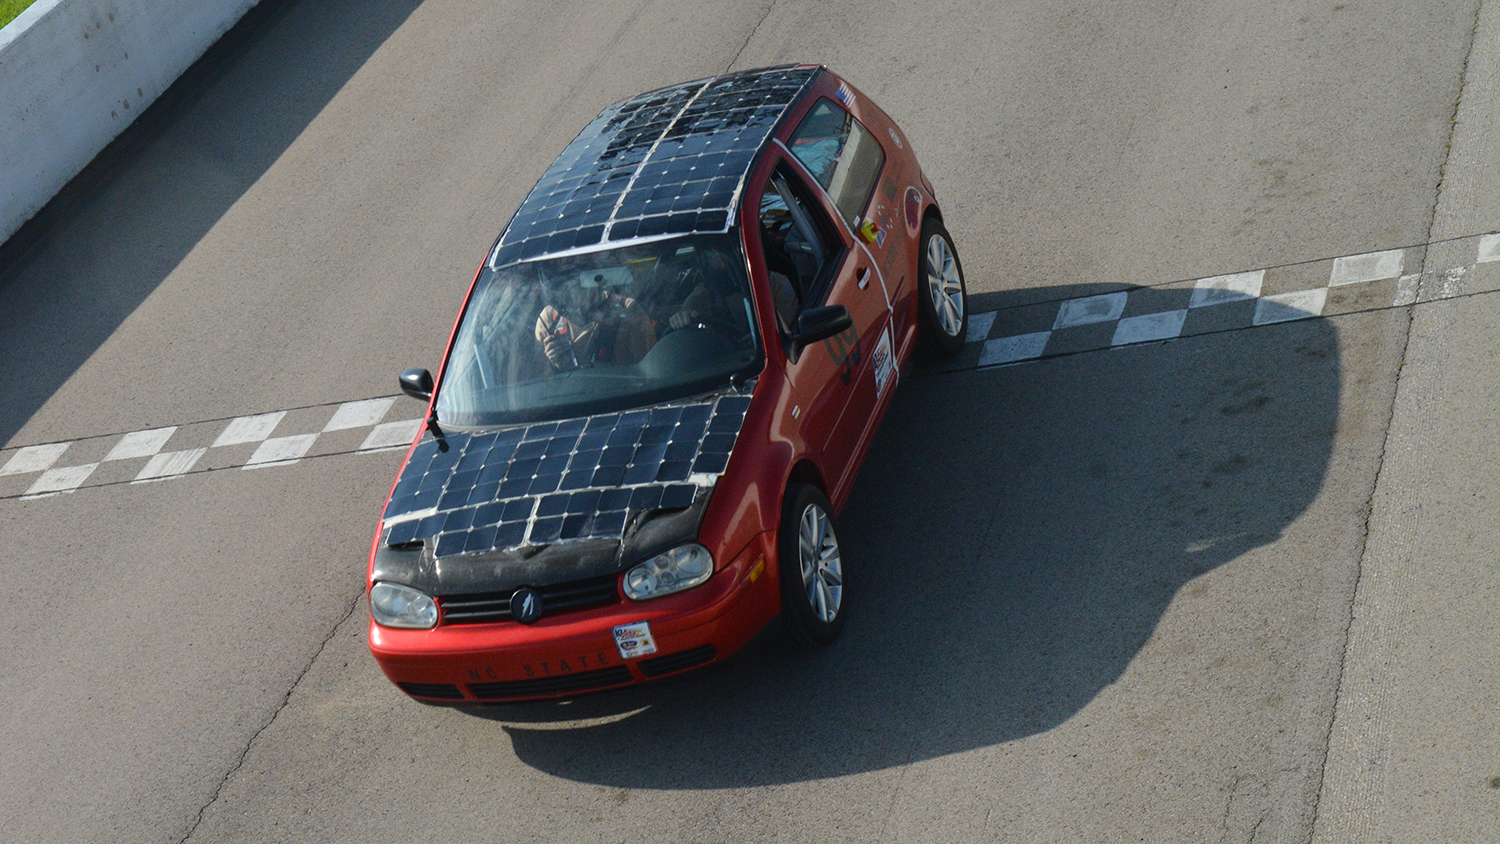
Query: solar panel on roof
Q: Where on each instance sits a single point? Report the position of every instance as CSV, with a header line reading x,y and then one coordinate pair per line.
x,y
670,161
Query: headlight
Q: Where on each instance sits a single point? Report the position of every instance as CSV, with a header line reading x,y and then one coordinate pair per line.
x,y
394,605
681,568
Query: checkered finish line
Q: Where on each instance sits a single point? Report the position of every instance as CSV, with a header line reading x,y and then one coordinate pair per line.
x,y
1222,303
245,442
1141,315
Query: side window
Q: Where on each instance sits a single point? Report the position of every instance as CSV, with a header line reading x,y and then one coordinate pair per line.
x,y
841,154
800,251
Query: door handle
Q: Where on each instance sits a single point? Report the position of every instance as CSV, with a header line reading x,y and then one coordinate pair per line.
x,y
862,278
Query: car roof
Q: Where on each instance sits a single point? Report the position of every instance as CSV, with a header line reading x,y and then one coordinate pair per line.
x,y
666,162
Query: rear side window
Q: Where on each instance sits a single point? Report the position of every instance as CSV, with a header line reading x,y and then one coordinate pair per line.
x,y
842,155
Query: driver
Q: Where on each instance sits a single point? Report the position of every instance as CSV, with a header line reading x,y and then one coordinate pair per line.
x,y
594,327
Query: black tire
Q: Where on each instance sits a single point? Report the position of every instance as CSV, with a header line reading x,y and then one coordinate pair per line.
x,y
939,339
813,607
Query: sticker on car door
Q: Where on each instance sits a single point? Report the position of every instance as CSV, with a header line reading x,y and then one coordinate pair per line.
x,y
882,362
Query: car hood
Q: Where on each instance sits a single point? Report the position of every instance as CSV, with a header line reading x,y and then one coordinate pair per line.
x,y
553,502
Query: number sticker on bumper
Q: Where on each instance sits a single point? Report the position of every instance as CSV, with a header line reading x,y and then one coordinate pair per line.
x,y
634,640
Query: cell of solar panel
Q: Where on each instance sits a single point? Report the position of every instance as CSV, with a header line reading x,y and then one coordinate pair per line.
x,y
624,435
680,449
398,505
402,533
586,459
517,509
584,502
544,531
646,497
552,505
544,483
696,413
483,493
574,527
515,487
712,464
678,496
616,455
554,465
577,479
608,475
614,499
450,543
425,497
458,520
530,449
717,444
610,524
429,525
510,534
479,540
674,470
488,514
640,473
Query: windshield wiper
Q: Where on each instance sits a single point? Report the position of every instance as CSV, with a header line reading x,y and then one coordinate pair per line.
x,y
437,433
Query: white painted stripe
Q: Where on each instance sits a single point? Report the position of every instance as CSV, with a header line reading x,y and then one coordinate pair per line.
x,y
1106,307
1012,349
359,414
1149,327
392,434
1373,266
1407,288
171,464
280,451
1453,283
33,458
140,444
1284,307
1489,249
1219,289
979,326
249,429
65,479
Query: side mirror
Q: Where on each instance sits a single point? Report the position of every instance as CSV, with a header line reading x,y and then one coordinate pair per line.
x,y
417,383
816,324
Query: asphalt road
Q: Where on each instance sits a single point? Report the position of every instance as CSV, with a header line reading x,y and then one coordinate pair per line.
x,y
1238,586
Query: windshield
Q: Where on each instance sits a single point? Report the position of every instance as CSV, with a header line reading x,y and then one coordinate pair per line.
x,y
601,331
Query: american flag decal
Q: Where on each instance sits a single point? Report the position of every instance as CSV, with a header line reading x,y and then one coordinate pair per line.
x,y
845,95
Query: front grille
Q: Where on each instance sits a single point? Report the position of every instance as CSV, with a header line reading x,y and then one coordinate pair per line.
x,y
560,597
558,684
657,666
440,691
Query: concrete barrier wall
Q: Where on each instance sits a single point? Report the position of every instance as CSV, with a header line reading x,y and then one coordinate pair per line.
x,y
75,73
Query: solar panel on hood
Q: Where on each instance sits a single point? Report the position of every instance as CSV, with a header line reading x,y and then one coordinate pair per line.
x,y
670,161
561,481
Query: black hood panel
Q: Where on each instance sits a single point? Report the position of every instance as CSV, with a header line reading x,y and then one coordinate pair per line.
x,y
515,491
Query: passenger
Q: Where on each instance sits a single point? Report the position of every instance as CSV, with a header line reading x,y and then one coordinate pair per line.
x,y
590,326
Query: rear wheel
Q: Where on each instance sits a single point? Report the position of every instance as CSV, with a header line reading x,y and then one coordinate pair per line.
x,y
942,300
812,570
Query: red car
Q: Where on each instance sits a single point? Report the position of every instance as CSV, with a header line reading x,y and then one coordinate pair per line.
x,y
658,392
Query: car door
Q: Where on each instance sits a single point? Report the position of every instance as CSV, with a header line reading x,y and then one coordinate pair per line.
x,y
812,260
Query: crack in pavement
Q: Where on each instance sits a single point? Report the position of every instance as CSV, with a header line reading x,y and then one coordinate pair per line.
x,y
266,725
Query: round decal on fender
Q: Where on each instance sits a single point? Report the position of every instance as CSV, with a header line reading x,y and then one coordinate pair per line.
x,y
525,605
913,209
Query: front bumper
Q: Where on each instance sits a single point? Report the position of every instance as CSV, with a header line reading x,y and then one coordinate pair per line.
x,y
575,652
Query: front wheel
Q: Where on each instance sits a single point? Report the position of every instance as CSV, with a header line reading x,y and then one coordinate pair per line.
x,y
811,568
942,300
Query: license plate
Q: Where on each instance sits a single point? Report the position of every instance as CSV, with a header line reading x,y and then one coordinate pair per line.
x,y
634,640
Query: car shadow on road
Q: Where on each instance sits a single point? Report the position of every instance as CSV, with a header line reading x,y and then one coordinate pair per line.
x,y
1016,534
73,274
